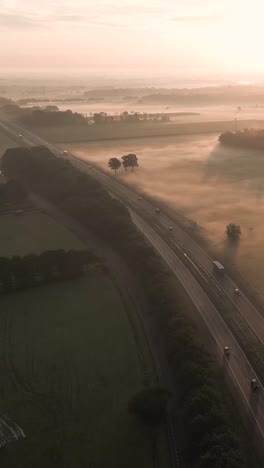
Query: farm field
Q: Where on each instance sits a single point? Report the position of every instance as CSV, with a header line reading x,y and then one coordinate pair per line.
x,y
69,364
204,182
71,356
33,232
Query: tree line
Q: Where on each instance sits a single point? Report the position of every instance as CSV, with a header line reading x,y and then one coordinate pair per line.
x,y
213,430
248,138
128,161
129,117
32,270
49,117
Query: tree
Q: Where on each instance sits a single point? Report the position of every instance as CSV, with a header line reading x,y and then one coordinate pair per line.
x,y
114,164
99,117
125,162
124,115
130,160
233,231
133,161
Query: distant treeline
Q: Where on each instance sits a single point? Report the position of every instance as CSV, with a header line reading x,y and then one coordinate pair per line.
x,y
46,117
50,116
131,117
29,100
249,138
19,273
191,99
236,94
115,93
200,99
212,427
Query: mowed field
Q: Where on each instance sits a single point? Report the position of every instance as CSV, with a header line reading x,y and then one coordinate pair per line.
x,y
69,362
204,182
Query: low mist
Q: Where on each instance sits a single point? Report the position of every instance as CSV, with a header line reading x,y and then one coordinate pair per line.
x,y
205,182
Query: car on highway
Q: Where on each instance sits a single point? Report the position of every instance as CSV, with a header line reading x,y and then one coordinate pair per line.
x,y
236,291
219,269
65,152
157,210
171,228
227,351
20,136
254,385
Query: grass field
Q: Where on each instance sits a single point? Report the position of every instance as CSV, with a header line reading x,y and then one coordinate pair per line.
x,y
71,355
68,364
33,232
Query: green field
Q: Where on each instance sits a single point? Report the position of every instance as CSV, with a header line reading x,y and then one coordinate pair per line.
x,y
71,355
33,233
68,366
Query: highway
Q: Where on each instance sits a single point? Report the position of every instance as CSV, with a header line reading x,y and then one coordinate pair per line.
x,y
182,254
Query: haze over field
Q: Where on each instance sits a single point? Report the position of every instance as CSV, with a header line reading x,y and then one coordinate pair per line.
x,y
206,183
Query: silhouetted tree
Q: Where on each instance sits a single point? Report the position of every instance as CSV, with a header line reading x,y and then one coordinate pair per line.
x,y
233,231
48,117
100,117
114,164
52,265
133,161
125,162
130,160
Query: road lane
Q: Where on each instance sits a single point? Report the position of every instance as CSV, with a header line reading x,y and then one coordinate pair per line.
x,y
237,363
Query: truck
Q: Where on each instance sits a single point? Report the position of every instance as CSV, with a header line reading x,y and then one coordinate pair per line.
x,y
218,267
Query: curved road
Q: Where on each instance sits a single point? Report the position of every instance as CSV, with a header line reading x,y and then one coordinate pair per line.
x,y
168,245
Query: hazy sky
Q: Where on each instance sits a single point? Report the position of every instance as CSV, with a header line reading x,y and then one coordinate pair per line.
x,y
206,35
